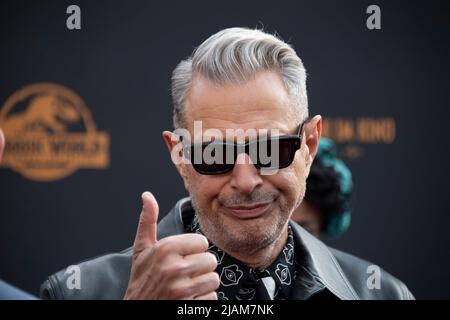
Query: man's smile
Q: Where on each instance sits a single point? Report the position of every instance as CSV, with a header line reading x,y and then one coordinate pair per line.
x,y
250,211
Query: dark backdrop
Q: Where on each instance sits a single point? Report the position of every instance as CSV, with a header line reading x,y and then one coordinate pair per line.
x,y
120,63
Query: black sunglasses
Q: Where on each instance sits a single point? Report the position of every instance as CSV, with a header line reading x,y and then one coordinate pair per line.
x,y
223,155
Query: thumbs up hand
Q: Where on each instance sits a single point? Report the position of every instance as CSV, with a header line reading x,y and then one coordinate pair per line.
x,y
176,267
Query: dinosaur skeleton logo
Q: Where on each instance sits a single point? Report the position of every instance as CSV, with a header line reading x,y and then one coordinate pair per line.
x,y
50,133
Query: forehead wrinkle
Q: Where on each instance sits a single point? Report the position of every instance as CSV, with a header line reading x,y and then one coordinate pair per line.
x,y
242,117
227,110
266,88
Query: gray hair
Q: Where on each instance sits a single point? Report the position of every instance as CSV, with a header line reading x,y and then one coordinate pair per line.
x,y
235,55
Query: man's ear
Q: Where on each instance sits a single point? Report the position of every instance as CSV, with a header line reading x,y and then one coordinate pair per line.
x,y
174,146
2,143
313,132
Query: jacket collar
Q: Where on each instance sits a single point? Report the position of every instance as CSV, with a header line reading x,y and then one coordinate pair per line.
x,y
325,264
327,268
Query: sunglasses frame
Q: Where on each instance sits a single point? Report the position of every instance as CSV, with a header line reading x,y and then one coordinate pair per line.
x,y
296,138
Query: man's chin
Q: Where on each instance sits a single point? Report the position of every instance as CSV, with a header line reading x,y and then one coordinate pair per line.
x,y
247,242
248,234
233,233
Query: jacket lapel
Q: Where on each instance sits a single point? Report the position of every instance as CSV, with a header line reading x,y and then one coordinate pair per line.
x,y
172,223
328,270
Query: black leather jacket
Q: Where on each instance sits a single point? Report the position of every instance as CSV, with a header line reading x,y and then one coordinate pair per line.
x,y
343,275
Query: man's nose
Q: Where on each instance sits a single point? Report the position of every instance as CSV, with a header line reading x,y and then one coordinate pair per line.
x,y
245,177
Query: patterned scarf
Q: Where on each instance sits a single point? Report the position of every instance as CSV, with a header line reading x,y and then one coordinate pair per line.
x,y
241,282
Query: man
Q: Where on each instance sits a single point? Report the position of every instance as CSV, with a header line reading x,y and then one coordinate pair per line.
x,y
232,239
325,209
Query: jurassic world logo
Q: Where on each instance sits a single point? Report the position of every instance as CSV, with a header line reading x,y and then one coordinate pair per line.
x,y
50,133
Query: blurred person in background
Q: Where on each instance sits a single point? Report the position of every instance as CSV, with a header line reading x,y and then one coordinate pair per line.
x,y
326,210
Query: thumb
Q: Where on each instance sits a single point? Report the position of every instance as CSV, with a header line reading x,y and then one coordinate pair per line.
x,y
147,227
